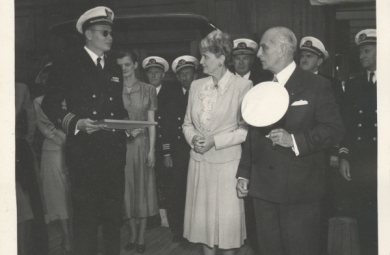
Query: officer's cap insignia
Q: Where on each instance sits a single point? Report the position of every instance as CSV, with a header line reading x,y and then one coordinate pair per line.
x,y
241,45
181,62
308,44
362,37
152,61
109,14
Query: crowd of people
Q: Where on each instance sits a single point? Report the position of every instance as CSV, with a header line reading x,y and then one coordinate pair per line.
x,y
222,180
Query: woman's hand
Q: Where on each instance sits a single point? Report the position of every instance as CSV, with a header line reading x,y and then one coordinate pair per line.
x,y
205,145
198,141
134,132
151,159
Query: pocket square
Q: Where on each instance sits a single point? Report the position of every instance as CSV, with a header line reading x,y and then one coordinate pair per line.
x,y
300,102
115,79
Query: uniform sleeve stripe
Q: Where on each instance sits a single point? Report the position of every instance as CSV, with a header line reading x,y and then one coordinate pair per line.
x,y
343,150
66,121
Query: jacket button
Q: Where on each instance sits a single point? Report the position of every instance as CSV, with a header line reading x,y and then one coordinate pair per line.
x,y
271,167
94,112
359,138
179,118
159,126
374,138
94,96
359,125
375,125
112,114
110,98
159,117
179,127
159,136
360,111
113,130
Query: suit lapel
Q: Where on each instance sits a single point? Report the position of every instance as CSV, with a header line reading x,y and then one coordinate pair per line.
x,y
294,84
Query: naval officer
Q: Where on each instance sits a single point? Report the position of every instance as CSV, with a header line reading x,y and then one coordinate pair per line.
x,y
358,150
178,155
91,85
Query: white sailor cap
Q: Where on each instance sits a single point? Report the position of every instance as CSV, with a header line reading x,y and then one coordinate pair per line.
x,y
184,61
244,47
97,15
265,104
366,36
155,61
314,45
44,69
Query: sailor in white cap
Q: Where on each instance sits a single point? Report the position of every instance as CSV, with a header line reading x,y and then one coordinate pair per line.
x,y
244,51
91,85
155,68
313,55
176,158
358,151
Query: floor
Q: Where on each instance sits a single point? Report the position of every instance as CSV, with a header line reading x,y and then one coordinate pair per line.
x,y
158,241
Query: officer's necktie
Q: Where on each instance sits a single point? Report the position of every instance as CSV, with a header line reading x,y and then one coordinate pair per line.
x,y
99,66
371,81
275,79
186,95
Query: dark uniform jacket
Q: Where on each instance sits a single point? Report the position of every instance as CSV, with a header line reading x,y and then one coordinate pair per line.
x,y
89,93
179,147
338,95
360,119
165,103
276,174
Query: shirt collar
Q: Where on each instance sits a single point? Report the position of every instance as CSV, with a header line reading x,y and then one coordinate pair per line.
x,y
184,90
316,72
222,84
158,89
94,56
373,78
285,74
246,76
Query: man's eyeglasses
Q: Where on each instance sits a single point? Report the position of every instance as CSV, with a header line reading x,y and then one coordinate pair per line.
x,y
105,33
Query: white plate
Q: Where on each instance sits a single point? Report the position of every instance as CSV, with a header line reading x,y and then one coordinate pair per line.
x,y
265,104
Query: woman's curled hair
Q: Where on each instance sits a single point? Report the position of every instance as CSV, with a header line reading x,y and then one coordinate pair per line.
x,y
218,43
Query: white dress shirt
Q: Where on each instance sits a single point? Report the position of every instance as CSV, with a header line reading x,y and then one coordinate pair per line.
x,y
373,78
158,89
246,76
95,57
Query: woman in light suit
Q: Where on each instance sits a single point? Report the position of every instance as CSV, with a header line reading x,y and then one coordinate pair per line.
x,y
214,128
54,173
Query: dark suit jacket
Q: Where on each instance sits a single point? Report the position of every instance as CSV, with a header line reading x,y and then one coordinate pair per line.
x,y
88,94
360,119
276,174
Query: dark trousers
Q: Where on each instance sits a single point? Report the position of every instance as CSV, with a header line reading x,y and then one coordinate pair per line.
x,y
364,197
97,194
250,222
178,189
287,229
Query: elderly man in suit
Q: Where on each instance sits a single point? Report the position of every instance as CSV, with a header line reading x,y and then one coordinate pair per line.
x,y
91,85
358,150
283,165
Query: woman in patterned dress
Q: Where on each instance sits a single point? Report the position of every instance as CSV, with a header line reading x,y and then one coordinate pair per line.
x,y
140,201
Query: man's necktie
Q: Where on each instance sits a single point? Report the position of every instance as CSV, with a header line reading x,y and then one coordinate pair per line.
x,y
99,66
186,95
371,80
275,79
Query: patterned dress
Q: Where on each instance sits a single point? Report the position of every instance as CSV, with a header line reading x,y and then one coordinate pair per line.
x,y
140,181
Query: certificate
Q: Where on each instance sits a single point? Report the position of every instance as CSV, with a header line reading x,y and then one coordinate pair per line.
x,y
124,124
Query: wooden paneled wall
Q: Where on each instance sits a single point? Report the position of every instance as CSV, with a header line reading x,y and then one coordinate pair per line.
x,y
240,18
